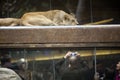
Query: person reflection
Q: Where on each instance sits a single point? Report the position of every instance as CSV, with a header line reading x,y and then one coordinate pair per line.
x,y
5,60
117,77
7,69
76,69
23,72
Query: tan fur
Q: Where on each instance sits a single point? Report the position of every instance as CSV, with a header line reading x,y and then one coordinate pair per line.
x,y
52,17
9,21
46,18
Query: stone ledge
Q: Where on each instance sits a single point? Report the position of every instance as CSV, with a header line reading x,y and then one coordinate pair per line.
x,y
61,34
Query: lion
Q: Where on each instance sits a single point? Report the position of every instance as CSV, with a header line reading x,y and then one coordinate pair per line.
x,y
9,21
48,18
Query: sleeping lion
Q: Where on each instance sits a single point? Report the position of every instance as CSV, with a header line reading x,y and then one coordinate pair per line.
x,y
47,18
52,17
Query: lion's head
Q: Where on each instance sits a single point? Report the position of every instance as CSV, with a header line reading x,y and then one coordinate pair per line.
x,y
67,19
70,20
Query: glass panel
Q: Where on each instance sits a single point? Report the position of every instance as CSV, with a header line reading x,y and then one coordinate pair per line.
x,y
75,69
45,64
107,59
17,60
49,64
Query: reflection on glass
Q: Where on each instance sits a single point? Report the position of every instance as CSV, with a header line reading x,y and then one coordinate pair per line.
x,y
106,63
51,64
34,64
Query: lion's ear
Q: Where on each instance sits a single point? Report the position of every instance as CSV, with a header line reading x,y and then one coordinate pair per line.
x,y
72,14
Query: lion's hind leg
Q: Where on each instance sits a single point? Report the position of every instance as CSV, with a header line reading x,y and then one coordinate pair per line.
x,y
37,21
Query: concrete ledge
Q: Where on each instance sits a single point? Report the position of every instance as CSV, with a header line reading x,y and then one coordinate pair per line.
x,y
60,34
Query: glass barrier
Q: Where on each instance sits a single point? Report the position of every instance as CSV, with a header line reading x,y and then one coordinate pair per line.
x,y
107,63
44,64
51,64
